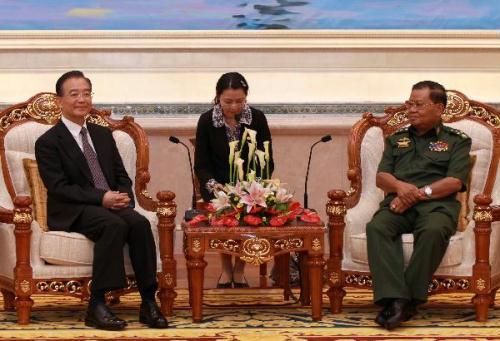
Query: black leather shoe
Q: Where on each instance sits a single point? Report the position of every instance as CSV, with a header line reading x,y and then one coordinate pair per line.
x,y
383,315
99,316
243,284
240,285
224,285
400,311
151,315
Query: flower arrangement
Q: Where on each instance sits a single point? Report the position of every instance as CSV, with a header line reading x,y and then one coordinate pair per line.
x,y
251,197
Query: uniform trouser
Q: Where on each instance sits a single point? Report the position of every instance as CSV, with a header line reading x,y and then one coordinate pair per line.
x,y
431,231
110,230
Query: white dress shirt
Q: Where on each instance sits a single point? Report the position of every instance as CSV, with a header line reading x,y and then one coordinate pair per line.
x,y
75,130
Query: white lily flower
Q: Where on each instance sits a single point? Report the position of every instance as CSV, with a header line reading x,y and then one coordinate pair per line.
x,y
251,150
252,134
262,160
251,176
232,148
282,195
266,149
268,156
234,168
244,138
239,165
220,201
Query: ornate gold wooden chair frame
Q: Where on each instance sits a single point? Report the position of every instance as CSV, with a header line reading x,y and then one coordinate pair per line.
x,y
479,272
19,281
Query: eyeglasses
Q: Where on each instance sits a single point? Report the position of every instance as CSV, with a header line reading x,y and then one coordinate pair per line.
x,y
417,105
86,95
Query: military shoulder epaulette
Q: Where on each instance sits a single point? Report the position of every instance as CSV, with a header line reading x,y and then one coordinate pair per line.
x,y
402,130
456,132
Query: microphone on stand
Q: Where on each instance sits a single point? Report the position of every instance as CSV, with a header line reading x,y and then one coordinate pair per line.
x,y
175,140
325,138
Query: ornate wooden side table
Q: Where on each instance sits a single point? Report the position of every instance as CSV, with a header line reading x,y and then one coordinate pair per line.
x,y
257,245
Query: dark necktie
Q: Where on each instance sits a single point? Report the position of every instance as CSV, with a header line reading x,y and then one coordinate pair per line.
x,y
95,167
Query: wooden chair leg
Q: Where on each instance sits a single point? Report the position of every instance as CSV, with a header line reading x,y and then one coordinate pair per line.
x,y
482,303
8,300
23,308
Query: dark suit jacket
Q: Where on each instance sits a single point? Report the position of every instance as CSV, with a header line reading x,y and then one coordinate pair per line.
x,y
212,149
66,174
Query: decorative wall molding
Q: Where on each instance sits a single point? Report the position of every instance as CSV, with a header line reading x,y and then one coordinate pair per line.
x,y
151,110
236,39
155,110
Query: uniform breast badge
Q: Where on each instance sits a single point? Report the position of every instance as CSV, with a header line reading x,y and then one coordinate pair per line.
x,y
438,146
403,142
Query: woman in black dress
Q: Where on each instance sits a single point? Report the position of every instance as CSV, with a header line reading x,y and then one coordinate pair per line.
x,y
222,124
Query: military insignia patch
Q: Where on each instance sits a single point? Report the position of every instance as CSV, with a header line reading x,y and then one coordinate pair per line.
x,y
438,146
403,142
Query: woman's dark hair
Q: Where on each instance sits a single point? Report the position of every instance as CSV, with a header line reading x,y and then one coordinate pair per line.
x,y
230,80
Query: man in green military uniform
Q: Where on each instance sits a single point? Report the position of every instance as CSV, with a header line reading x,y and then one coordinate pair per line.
x,y
422,169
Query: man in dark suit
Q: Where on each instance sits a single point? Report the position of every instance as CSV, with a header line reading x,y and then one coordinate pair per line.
x,y
90,192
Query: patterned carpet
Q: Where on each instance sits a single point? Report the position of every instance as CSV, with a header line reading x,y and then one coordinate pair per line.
x,y
251,314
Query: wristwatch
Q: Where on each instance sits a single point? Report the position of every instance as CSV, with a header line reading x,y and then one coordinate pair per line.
x,y
428,191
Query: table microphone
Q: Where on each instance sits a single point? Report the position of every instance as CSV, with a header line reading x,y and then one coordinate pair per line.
x,y
325,138
175,140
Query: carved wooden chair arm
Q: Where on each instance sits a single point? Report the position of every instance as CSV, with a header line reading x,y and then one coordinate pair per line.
x,y
22,216
484,212
336,206
21,211
166,207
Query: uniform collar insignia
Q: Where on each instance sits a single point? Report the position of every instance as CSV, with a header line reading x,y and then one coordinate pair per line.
x,y
403,142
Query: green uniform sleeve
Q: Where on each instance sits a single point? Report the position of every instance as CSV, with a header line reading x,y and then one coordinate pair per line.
x,y
459,165
386,165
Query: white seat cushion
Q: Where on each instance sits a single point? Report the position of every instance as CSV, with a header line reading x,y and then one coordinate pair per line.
x,y
66,248
452,257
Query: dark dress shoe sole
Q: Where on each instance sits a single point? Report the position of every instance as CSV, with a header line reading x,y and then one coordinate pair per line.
x,y
380,320
241,285
224,285
93,324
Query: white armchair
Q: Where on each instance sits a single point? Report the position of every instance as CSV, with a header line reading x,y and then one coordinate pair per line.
x,y
35,260
472,261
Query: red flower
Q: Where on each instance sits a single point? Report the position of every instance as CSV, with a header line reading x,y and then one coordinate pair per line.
x,y
197,219
294,210
210,208
278,220
272,211
231,213
217,221
230,221
256,209
252,220
294,206
309,216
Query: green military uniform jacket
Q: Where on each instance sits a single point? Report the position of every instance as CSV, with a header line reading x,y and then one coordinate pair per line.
x,y
421,160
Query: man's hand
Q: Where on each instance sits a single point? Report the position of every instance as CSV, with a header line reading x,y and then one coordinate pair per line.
x,y
408,194
115,200
397,206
